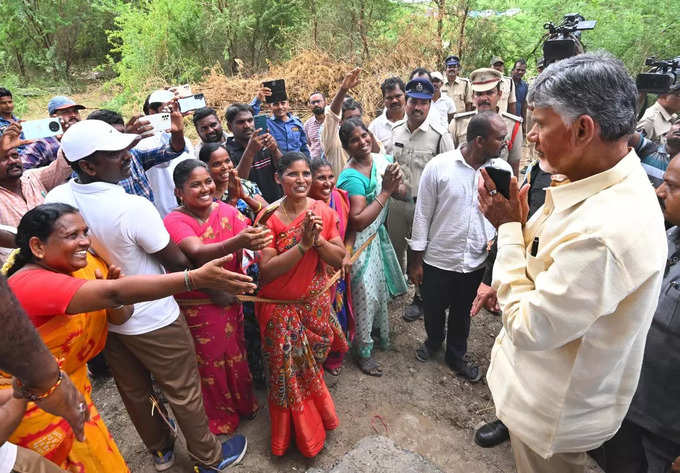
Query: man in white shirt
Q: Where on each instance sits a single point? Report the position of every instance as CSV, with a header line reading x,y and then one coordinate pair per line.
x,y
443,108
394,101
127,231
160,175
448,246
579,282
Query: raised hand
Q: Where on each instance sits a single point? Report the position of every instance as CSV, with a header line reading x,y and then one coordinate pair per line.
x,y
263,93
11,138
138,126
392,178
351,79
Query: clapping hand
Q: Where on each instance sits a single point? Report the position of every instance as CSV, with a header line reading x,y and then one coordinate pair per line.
x,y
392,178
312,226
255,238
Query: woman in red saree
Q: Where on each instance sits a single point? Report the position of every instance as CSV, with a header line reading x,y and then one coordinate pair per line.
x,y
297,328
205,229
323,189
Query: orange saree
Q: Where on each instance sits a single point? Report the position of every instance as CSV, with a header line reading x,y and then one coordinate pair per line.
x,y
73,340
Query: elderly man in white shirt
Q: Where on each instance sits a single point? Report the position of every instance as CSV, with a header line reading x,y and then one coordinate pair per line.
x,y
449,240
579,282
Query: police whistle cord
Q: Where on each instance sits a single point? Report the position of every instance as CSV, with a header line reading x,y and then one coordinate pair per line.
x,y
329,284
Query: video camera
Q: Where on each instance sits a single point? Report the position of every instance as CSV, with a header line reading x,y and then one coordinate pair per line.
x,y
564,40
661,77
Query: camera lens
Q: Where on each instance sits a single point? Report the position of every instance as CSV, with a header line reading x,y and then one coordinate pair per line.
x,y
54,126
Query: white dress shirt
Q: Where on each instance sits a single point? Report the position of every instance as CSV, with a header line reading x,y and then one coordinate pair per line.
x,y
441,109
576,309
447,223
381,128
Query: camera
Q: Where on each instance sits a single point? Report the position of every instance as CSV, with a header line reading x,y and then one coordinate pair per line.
x,y
564,40
662,76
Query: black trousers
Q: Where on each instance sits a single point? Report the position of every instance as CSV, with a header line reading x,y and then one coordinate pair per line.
x,y
443,290
636,450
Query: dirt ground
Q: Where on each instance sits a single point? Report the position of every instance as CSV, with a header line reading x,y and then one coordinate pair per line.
x,y
422,407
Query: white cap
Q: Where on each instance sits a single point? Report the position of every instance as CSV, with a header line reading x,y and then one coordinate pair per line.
x,y
437,75
161,96
87,136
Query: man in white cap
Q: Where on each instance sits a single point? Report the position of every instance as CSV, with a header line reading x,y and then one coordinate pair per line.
x,y
126,230
160,175
442,107
486,95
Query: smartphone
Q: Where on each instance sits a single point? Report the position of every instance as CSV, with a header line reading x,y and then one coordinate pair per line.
x,y
34,129
501,178
268,211
193,102
181,91
261,122
159,121
278,88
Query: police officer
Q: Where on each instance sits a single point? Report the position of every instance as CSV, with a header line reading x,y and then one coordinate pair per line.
x,y
458,88
656,121
508,99
415,141
486,95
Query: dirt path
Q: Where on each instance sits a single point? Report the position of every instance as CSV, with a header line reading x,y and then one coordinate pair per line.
x,y
421,406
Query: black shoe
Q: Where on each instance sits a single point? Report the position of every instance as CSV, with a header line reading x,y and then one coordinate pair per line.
x,y
423,353
492,434
414,311
466,370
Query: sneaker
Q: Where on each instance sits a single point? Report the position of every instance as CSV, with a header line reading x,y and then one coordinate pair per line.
x,y
233,451
466,370
162,460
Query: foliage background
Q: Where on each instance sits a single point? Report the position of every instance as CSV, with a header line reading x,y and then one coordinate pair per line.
x,y
129,47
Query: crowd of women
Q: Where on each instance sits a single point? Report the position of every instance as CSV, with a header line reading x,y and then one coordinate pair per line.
x,y
322,262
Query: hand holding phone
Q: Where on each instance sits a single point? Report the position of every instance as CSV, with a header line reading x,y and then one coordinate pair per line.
x,y
501,178
261,123
159,121
35,129
278,90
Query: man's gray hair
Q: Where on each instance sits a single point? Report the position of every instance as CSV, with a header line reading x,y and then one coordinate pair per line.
x,y
594,84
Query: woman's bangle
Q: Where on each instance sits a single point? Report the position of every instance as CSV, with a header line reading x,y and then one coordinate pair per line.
x,y
259,206
118,307
382,206
31,396
302,250
187,280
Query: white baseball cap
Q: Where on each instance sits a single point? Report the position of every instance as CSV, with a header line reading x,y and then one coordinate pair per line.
x,y
437,75
161,96
87,136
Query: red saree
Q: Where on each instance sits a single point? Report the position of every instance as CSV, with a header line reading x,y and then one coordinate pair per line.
x,y
218,333
296,339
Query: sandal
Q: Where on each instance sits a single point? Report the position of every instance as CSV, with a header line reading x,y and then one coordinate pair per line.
x,y
370,367
335,371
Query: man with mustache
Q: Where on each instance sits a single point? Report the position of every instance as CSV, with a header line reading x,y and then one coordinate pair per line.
x,y
394,102
458,88
415,141
486,95
656,121
21,190
209,128
317,105
43,152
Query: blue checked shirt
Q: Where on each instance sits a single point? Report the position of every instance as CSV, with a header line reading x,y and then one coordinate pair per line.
x,y
138,183
40,153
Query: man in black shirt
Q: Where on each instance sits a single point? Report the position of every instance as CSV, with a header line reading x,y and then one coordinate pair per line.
x,y
255,155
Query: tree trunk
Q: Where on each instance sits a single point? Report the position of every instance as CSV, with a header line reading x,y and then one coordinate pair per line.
x,y
441,12
461,34
363,29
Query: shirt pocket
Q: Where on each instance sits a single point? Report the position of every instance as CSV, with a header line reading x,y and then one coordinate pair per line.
x,y
535,266
667,313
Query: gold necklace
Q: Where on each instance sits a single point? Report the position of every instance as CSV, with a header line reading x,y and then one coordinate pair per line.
x,y
283,207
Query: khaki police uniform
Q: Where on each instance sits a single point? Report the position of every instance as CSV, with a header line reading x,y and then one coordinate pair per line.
x,y
458,130
460,92
655,123
507,93
412,150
